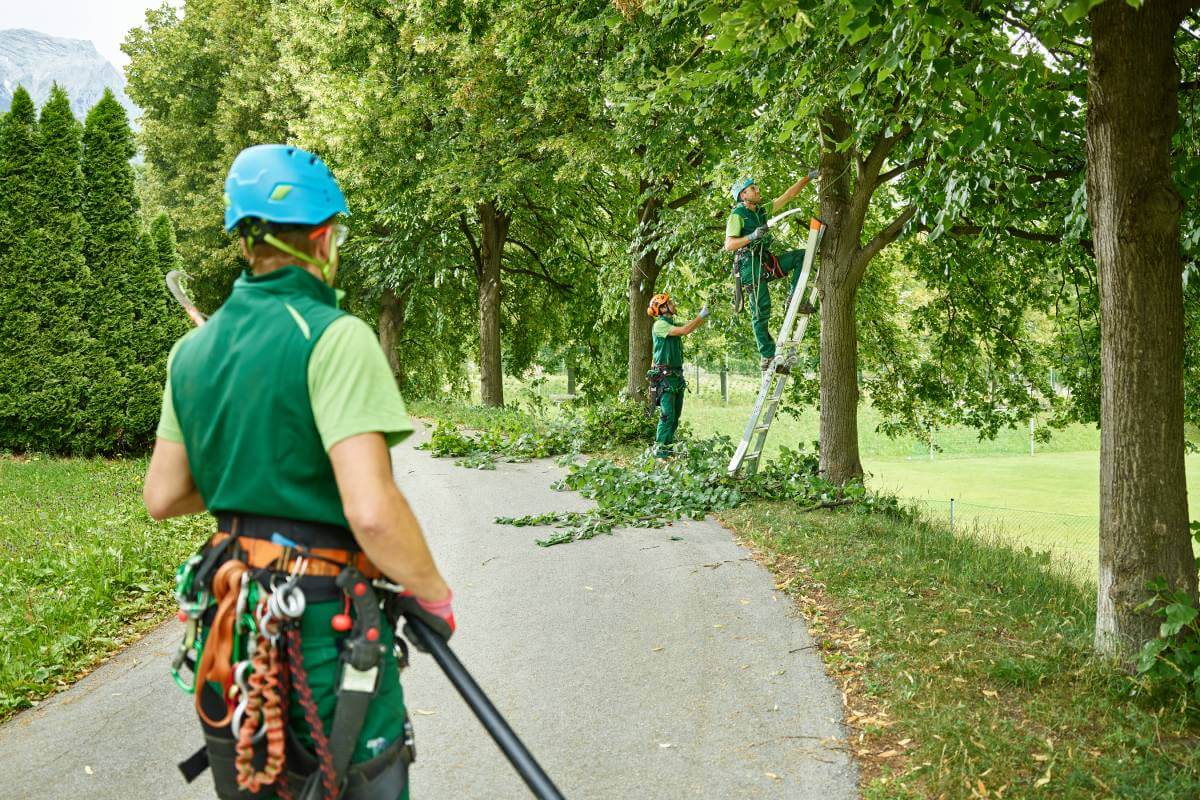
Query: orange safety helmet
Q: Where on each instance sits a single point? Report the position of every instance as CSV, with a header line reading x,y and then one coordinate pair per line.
x,y
657,303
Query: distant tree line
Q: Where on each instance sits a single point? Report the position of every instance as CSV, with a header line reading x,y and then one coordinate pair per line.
x,y
85,320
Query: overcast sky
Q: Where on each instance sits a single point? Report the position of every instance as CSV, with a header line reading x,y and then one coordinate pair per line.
x,y
103,21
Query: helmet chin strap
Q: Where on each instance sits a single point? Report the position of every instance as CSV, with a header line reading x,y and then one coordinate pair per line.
x,y
325,266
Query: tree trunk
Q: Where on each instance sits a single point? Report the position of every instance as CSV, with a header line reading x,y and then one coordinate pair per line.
x,y
643,276
1134,208
391,323
493,230
837,284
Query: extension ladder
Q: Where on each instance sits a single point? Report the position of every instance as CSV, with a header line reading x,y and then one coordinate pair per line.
x,y
791,332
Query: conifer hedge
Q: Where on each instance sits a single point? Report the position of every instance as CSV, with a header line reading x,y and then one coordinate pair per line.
x,y
85,319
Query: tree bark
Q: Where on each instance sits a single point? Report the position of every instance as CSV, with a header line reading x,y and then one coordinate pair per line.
x,y
493,230
1134,210
837,284
643,275
391,323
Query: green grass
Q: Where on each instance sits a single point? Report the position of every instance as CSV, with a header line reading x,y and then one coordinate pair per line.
x,y
84,569
968,664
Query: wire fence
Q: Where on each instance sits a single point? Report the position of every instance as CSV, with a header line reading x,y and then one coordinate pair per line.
x,y
1068,537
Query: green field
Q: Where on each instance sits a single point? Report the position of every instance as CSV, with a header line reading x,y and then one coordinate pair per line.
x,y
1048,500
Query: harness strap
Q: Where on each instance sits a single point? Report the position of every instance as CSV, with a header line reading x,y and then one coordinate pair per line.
x,y
216,663
325,562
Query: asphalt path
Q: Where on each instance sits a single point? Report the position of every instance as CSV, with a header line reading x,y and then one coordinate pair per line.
x,y
648,664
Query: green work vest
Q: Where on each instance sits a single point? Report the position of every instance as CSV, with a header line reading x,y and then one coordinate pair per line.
x,y
751,221
240,390
668,350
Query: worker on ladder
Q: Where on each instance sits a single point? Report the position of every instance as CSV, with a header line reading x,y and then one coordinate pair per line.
x,y
748,236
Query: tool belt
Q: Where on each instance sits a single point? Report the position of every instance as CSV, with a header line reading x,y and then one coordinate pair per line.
x,y
771,269
657,383
242,597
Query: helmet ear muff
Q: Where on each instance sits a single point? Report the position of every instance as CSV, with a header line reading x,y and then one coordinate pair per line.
x,y
657,304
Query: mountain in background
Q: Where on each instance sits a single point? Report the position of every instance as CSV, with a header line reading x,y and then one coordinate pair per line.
x,y
37,61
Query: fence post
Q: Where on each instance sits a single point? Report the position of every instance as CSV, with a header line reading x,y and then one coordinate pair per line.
x,y
931,443
952,515
570,380
725,382
697,378
1031,436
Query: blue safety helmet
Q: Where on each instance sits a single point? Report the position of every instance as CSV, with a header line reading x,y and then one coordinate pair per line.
x,y
738,187
282,184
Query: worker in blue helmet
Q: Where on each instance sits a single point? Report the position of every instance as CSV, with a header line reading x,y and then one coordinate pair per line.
x,y
748,237
277,418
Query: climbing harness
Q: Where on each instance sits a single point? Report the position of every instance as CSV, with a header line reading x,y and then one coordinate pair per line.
x,y
774,380
250,659
656,384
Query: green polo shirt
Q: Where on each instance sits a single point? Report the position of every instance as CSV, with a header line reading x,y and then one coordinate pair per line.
x,y
350,384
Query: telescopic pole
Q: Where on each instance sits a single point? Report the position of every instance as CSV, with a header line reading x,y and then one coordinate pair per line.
x,y
513,748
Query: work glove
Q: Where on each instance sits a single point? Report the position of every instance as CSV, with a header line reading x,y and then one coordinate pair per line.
x,y
703,313
758,233
814,173
439,616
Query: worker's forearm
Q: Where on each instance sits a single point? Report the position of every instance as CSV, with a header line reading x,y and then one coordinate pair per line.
x,y
396,545
736,242
791,193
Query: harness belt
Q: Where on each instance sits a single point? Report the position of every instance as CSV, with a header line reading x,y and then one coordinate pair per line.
x,y
242,561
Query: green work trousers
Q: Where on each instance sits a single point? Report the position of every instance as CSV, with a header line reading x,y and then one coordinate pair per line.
x,y
322,664
322,661
670,408
754,285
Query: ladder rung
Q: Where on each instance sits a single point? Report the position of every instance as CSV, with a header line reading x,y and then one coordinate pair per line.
x,y
758,428
751,456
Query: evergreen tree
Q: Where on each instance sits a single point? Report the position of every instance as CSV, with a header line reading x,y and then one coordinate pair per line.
x,y
166,249
122,279
64,358
19,153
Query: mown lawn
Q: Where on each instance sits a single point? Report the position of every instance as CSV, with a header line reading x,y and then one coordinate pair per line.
x,y
84,569
967,666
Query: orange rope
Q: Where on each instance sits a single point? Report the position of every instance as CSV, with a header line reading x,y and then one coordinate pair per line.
x,y
264,697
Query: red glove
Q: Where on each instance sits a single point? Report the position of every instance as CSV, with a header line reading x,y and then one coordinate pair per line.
x,y
437,615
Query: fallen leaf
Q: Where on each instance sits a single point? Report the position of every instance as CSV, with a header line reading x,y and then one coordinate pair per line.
x,y
990,693
889,754
88,770
744,602
423,712
664,744
590,589
771,775
657,649
905,742
745,666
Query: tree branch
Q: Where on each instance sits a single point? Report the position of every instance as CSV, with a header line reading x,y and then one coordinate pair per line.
x,y
882,239
558,286
683,200
895,172
465,227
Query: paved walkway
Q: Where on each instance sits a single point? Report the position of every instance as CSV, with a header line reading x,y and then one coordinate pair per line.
x,y
634,666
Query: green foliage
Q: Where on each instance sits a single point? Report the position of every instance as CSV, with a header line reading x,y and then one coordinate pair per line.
x,y
1173,659
81,299
648,492
50,367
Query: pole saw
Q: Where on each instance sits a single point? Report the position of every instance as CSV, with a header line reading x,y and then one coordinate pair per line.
x,y
514,749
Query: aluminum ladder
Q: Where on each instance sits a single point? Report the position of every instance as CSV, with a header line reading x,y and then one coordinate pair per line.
x,y
791,333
